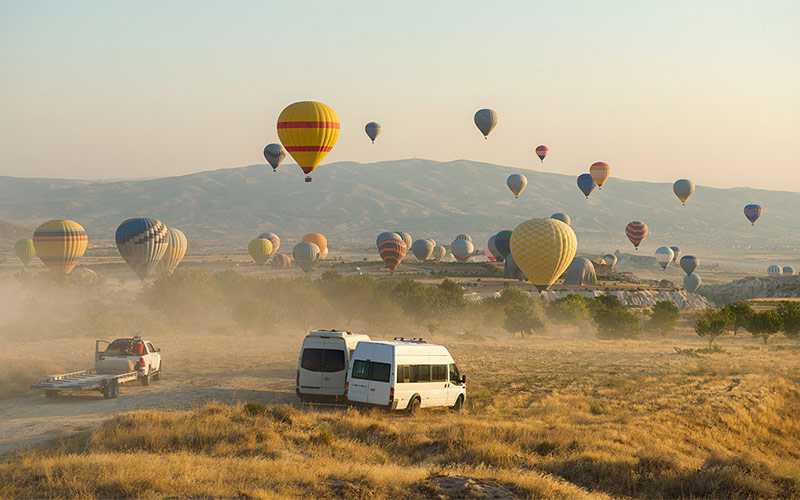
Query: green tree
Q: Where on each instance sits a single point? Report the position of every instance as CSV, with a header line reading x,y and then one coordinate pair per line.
x,y
617,324
711,323
664,317
739,311
764,324
521,318
790,314
571,309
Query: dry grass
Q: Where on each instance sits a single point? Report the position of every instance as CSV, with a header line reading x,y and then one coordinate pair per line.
x,y
549,417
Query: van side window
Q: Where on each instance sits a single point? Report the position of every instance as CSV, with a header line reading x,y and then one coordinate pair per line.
x,y
361,369
380,372
420,373
439,373
454,378
403,373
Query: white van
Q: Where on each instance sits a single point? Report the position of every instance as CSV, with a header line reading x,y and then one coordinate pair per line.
x,y
322,366
405,375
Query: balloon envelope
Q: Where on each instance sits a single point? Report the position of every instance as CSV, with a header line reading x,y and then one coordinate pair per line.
x,y
142,242
543,248
260,249
406,237
281,261
486,120
462,250
580,272
683,189
492,245
692,282
752,212
384,235
274,154
463,237
422,249
318,240
600,171
273,238
774,271
502,241
689,263
25,250
439,253
176,250
611,260
541,152
586,184
308,130
562,217
306,254
392,251
664,256
788,271
373,130
60,244
516,183
677,254
636,232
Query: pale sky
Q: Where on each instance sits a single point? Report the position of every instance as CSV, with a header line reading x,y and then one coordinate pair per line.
x,y
708,90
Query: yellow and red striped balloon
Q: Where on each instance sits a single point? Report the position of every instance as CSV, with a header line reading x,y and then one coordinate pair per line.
x,y
308,131
60,243
636,232
600,172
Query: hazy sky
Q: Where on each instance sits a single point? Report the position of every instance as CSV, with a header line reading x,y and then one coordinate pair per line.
x,y
708,90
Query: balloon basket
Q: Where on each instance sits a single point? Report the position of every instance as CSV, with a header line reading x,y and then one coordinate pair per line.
x,y
308,179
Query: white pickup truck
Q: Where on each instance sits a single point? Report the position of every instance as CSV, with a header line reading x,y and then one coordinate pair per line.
x,y
123,360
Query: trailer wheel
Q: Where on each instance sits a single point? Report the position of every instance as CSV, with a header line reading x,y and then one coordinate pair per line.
x,y
146,379
50,393
111,390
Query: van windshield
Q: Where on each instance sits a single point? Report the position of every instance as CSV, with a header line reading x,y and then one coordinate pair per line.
x,y
322,360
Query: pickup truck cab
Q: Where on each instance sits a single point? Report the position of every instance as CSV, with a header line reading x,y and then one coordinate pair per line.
x,y
129,354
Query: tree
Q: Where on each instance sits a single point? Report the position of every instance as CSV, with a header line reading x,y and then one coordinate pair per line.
x,y
790,314
664,316
712,323
521,318
571,309
739,311
764,324
617,324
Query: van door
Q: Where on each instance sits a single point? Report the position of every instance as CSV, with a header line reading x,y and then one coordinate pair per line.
x,y
311,369
381,375
334,368
439,384
358,383
454,385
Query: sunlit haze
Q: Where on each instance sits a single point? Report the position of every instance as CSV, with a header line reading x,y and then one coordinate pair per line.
x,y
660,90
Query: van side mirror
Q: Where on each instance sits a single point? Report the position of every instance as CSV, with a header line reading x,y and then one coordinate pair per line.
x,y
158,349
463,379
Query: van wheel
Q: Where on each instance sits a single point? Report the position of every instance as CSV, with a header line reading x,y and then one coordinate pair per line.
x,y
413,406
146,379
459,404
157,375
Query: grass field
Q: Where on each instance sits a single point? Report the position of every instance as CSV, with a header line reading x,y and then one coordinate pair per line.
x,y
560,415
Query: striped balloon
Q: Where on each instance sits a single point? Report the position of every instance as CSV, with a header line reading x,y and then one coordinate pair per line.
x,y
541,152
586,184
25,250
273,238
392,251
308,131
259,249
176,249
439,253
543,249
60,244
142,242
281,261
463,237
636,232
406,237
317,239
752,212
600,172
774,271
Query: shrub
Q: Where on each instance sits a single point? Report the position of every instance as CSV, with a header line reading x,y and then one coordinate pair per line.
x,y
790,314
664,316
712,323
764,324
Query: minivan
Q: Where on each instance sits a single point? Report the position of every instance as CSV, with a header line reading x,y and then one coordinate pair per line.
x,y
323,363
405,375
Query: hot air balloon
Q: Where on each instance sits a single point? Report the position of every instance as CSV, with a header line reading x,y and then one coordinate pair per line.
x,y
373,130
392,251
511,271
664,256
422,249
636,232
384,235
580,272
25,250
691,282
323,255
689,263
611,260
683,189
260,249
586,184
752,212
176,249
308,131
318,240
600,171
502,241
439,253
488,253
60,244
273,238
142,242
677,252
486,121
541,152
306,254
281,261
83,274
464,237
774,271
492,245
788,271
516,183
406,238
462,250
542,249
433,242
274,154
562,217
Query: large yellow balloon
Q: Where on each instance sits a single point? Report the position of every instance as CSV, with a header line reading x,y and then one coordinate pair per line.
x,y
543,249
308,131
60,244
176,249
318,240
260,249
24,250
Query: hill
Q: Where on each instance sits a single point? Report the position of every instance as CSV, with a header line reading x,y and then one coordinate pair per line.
x,y
352,202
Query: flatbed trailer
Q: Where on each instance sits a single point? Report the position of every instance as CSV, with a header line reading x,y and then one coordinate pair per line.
x,y
85,380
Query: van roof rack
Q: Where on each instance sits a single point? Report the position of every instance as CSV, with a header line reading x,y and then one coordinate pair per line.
x,y
418,340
